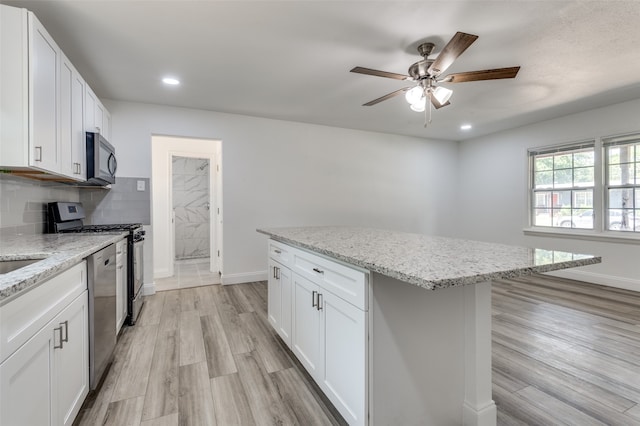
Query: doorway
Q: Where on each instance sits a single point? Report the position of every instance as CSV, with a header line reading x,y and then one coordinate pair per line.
x,y
187,212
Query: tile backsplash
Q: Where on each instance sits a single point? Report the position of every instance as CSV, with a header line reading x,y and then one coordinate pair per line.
x,y
23,203
123,203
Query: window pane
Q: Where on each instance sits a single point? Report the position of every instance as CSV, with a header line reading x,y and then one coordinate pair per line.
x,y
582,218
544,180
621,174
563,178
562,161
543,199
583,159
583,199
621,220
543,163
562,199
637,149
620,198
637,203
542,217
583,176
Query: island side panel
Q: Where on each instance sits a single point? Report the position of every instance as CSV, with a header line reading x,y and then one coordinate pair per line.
x,y
419,368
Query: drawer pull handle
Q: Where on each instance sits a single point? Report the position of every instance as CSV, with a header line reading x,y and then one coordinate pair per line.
x,y
59,329
277,251
314,303
38,156
319,307
318,270
66,332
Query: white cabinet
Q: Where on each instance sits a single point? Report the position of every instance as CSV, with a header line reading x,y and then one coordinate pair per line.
x,y
326,304
279,300
97,118
121,283
72,138
44,103
305,341
44,371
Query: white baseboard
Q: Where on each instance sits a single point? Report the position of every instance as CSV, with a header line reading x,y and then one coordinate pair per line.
x,y
602,279
149,288
246,277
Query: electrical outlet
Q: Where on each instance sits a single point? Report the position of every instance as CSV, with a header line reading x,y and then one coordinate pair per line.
x,y
141,185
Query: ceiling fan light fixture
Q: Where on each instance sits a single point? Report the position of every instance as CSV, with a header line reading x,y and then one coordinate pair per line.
x,y
442,94
420,105
414,95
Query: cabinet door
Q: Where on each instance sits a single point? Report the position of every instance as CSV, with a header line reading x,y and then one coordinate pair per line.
x,y
72,140
284,327
91,100
273,295
44,60
25,382
343,345
305,338
121,284
71,366
106,123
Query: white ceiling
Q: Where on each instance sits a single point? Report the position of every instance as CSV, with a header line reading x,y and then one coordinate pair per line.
x,y
290,60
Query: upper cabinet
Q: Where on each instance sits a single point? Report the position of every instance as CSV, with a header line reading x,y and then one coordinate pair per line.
x,y
45,103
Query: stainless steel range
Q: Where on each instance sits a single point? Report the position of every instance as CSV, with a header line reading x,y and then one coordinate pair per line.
x,y
68,217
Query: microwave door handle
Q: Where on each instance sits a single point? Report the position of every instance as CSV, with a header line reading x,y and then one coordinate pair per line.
x,y
115,164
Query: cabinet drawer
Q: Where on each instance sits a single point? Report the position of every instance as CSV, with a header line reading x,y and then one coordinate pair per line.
x,y
345,282
280,253
21,318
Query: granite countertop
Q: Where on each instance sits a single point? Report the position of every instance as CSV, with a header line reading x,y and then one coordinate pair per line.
x,y
57,251
427,261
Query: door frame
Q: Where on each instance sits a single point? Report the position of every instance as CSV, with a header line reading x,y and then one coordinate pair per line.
x,y
163,148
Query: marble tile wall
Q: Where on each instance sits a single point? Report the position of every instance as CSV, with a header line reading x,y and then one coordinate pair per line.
x,y
23,203
191,207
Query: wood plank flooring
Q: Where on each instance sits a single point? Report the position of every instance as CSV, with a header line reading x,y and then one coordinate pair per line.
x,y
206,356
564,352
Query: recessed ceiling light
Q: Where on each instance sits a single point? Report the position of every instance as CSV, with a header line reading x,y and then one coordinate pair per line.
x,y
171,81
465,127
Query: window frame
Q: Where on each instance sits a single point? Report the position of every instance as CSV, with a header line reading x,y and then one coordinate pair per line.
x,y
632,139
601,187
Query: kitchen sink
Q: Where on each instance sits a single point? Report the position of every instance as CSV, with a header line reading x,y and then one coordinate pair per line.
x,y
7,266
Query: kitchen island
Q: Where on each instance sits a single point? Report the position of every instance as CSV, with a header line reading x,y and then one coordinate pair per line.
x,y
427,312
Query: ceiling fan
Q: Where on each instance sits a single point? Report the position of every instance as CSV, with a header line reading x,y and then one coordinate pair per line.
x,y
426,75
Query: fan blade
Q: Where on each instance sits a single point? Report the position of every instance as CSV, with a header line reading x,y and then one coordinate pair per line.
x,y
494,74
456,46
387,96
369,71
438,105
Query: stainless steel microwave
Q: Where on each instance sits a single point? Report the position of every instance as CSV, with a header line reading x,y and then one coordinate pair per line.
x,y
101,160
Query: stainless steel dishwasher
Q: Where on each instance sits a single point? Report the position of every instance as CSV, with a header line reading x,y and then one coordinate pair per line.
x,y
102,312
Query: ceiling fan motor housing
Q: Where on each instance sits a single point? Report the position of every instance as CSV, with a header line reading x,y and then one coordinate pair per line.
x,y
418,71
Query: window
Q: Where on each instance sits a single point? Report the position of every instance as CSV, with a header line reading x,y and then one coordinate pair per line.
x,y
622,183
593,185
562,186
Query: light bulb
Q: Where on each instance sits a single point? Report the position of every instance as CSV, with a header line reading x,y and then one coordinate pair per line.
x,y
414,95
442,94
420,105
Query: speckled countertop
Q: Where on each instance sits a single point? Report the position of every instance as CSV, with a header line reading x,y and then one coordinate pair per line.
x,y
426,261
57,251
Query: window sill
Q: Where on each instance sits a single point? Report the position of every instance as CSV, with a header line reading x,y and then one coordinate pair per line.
x,y
578,234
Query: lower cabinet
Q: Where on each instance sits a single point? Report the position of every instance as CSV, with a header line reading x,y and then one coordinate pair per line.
x,y
46,380
121,283
44,368
328,333
279,300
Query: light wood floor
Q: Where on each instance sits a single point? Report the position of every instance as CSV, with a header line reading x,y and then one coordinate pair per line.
x,y
564,352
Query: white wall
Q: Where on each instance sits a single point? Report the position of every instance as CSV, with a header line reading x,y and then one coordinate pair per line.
x,y
492,190
278,173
